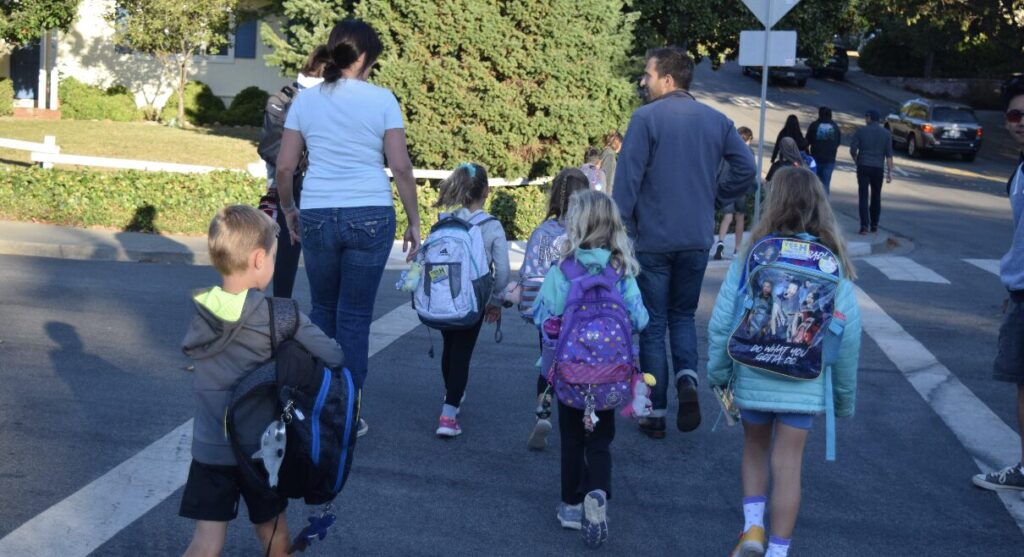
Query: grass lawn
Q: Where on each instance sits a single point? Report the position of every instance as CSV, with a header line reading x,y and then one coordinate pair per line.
x,y
228,147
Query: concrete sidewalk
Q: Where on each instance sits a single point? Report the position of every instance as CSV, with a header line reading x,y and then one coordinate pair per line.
x,y
63,242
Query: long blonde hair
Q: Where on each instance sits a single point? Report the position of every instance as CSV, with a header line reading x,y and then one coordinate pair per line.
x,y
593,221
796,203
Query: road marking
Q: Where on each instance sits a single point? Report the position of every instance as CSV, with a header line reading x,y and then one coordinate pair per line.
x,y
904,268
990,442
83,522
900,172
990,265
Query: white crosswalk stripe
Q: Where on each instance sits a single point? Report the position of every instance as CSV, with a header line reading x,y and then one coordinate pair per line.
x,y
905,269
990,265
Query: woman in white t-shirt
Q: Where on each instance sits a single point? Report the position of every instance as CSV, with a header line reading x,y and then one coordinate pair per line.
x,y
347,222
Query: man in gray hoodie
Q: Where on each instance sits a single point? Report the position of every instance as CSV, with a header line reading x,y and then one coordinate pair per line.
x,y
667,189
1009,363
228,337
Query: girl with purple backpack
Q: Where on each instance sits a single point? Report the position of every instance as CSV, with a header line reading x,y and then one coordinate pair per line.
x,y
590,305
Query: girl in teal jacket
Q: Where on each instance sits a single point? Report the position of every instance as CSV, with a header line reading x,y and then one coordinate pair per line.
x,y
774,407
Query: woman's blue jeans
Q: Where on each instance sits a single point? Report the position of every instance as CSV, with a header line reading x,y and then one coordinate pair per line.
x,y
345,251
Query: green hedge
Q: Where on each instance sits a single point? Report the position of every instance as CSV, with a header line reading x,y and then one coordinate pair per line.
x,y
184,203
6,97
201,105
246,108
79,101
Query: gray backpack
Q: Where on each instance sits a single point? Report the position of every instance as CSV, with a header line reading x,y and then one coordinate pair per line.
x,y
457,280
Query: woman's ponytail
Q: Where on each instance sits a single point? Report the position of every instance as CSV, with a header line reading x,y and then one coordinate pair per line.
x,y
349,40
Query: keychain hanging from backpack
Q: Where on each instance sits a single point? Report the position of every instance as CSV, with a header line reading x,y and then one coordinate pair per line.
x,y
317,529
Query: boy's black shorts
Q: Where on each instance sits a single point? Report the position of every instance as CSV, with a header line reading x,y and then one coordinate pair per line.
x,y
212,491
1009,364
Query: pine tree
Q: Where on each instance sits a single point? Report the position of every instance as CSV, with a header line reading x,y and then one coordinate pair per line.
x,y
520,86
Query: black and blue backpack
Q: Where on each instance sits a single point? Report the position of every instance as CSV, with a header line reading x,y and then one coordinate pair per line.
x,y
318,405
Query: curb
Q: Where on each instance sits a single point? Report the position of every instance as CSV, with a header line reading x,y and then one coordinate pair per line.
x,y
871,92
101,252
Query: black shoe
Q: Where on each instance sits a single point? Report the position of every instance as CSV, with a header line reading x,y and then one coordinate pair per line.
x,y
719,248
653,427
863,232
874,229
688,418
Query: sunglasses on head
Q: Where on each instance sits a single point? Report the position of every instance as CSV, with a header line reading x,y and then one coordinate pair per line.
x,y
1014,116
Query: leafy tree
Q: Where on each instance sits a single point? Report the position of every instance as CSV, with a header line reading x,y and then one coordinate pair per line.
x,y
521,86
23,21
711,28
173,31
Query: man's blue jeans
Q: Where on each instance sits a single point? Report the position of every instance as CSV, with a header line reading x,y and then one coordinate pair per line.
x,y
824,171
670,284
345,251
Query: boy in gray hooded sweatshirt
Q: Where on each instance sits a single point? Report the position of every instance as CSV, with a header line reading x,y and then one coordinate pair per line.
x,y
228,337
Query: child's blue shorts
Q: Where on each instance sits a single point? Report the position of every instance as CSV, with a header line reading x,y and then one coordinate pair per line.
x,y
792,419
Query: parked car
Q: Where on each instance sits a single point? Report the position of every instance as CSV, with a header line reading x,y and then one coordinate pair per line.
x,y
924,125
836,66
797,74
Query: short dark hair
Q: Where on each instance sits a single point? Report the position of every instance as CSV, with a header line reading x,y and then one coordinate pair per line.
x,y
591,154
318,59
675,62
1012,88
745,132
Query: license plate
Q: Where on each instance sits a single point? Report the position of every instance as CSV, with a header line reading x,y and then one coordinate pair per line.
x,y
953,134
790,74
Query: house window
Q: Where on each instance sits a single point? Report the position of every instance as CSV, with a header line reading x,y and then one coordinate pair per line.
x,y
245,39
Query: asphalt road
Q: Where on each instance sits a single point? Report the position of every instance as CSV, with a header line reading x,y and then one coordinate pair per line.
x,y
91,373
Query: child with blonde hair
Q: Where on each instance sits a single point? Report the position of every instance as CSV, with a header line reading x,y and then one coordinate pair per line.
x,y
590,304
780,380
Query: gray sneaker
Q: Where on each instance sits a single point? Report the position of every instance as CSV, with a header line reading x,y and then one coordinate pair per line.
x,y
570,516
539,436
1011,477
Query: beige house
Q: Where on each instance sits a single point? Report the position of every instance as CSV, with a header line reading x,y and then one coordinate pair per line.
x,y
87,53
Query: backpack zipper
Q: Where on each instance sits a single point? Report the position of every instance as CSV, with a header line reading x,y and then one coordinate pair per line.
x,y
325,386
349,409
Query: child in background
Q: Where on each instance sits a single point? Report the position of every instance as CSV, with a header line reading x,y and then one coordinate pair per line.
x,y
543,249
596,240
467,187
778,411
592,169
228,337
737,210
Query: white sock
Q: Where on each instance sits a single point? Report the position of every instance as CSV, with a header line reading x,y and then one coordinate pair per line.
x,y
753,511
449,411
777,547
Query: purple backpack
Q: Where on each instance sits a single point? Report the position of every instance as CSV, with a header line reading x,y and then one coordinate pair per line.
x,y
593,360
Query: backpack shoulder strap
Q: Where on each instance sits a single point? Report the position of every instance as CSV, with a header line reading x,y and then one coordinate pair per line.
x,y
481,218
572,268
284,321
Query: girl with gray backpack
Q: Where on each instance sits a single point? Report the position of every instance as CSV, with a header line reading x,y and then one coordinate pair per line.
x,y
590,306
463,270
544,249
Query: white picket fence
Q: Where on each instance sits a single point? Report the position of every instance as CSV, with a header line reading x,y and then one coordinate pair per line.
x,y
48,154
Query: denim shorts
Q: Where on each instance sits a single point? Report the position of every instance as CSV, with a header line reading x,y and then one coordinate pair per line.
x,y
1009,364
791,419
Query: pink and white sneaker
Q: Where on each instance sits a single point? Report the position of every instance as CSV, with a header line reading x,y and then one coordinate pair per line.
x,y
448,427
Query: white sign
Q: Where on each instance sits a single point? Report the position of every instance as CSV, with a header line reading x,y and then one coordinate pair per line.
x,y
769,12
781,48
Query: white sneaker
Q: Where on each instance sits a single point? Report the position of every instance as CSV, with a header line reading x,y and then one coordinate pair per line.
x,y
363,428
539,436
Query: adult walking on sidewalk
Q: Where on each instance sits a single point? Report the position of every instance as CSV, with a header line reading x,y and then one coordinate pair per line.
x,y
1009,364
824,138
667,191
871,149
347,223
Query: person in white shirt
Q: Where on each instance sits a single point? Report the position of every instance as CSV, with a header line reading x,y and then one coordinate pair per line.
x,y
347,222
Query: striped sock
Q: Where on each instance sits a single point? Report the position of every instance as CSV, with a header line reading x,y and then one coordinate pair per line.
x,y
777,547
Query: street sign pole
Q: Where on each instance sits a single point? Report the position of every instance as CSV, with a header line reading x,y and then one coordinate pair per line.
x,y
764,104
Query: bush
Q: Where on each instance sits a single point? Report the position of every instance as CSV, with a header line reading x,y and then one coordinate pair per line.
x,y
79,101
246,108
184,203
201,105
887,55
6,97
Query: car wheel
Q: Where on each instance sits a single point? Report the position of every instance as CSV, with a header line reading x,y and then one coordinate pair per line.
x,y
911,146
840,76
969,157
801,83
746,70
